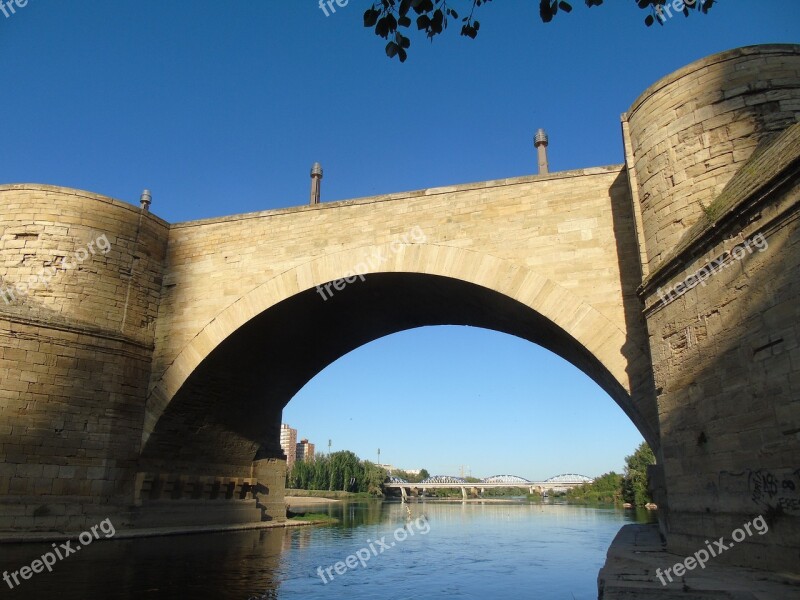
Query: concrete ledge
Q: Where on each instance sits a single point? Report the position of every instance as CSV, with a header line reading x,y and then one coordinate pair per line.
x,y
638,550
122,534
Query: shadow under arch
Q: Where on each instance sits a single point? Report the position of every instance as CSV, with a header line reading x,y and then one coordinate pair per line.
x,y
220,401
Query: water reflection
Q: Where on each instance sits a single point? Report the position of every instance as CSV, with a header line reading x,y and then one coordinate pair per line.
x,y
470,551
220,565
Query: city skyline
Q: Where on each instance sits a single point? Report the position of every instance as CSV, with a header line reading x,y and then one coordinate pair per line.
x,y
294,450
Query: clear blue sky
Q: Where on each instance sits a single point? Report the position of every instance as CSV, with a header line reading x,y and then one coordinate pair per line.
x,y
221,107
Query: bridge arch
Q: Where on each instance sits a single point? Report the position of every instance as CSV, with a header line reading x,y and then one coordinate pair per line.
x,y
433,479
416,284
569,478
510,479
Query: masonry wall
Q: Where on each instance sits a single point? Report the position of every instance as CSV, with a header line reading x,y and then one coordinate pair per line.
x,y
726,354
693,129
727,369
75,353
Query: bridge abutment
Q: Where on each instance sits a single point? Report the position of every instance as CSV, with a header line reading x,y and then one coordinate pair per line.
x,y
81,280
714,148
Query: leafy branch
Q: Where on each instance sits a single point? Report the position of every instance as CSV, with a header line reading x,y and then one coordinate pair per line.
x,y
432,17
389,17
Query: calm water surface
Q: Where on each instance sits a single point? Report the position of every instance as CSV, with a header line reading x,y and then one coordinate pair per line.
x,y
458,551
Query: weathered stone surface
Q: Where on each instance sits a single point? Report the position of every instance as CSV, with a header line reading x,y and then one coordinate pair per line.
x,y
722,300
692,130
148,380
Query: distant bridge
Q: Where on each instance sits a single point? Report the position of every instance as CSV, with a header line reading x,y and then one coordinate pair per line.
x,y
562,482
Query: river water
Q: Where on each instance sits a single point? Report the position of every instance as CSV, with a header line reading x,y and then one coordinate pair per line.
x,y
441,550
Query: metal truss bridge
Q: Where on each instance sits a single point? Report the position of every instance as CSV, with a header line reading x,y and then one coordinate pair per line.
x,y
557,483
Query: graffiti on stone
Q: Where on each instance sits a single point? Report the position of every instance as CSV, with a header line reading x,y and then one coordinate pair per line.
x,y
772,490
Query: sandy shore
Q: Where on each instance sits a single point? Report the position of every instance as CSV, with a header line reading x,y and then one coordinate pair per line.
x,y
306,500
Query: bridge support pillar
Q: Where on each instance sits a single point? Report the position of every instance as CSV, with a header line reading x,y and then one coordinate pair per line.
x,y
464,493
403,494
270,473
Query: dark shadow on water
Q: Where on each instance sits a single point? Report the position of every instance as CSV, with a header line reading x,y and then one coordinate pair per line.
x,y
222,565
464,548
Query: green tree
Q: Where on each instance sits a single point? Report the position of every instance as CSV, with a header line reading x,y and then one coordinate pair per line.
x,y
344,466
635,482
390,18
340,471
606,489
411,477
322,474
301,475
374,476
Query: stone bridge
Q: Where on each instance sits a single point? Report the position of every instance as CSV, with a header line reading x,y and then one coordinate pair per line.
x,y
145,365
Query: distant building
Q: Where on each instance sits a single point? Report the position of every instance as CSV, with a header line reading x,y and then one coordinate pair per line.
x,y
304,451
391,468
289,444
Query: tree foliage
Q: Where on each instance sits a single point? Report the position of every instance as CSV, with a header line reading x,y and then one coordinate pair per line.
x,y
393,19
411,477
635,482
606,489
341,470
614,488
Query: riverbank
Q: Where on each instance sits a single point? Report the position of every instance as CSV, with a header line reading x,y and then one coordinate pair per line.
x,y
307,500
296,493
312,518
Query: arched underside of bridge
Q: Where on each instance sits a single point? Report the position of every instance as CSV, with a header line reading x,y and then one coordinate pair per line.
x,y
227,409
